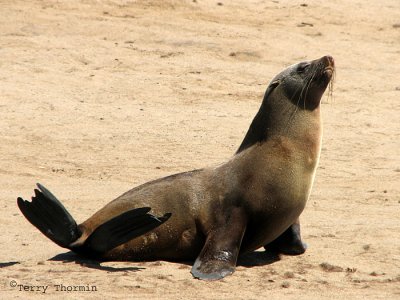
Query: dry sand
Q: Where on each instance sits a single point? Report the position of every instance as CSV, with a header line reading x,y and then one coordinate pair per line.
x,y
97,97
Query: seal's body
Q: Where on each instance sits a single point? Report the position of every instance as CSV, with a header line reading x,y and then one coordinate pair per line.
x,y
253,200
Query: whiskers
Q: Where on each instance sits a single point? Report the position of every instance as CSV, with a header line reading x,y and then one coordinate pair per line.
x,y
307,88
292,110
300,97
330,86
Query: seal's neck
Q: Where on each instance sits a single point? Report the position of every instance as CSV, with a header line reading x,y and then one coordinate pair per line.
x,y
276,118
257,131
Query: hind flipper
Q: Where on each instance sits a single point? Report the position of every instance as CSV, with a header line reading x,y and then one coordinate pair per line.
x,y
122,229
48,215
218,257
289,242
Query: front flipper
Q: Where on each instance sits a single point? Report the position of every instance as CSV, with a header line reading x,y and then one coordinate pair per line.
x,y
289,242
122,229
218,257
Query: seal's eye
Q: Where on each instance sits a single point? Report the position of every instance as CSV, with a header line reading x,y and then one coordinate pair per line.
x,y
302,67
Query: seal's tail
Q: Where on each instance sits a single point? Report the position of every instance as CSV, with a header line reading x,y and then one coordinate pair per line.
x,y
48,215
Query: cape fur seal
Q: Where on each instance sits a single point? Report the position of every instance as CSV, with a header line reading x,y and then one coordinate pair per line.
x,y
213,214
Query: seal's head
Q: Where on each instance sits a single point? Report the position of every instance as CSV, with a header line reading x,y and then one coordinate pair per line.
x,y
291,100
304,83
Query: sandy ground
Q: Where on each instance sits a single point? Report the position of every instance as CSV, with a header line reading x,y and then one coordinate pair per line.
x,y
97,97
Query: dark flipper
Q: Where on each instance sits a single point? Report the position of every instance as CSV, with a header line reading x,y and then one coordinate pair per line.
x,y
218,257
289,242
123,228
48,215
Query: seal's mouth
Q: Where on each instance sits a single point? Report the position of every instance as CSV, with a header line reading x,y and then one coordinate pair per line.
x,y
328,71
324,71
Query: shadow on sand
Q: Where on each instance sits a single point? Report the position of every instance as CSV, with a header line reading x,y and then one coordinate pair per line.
x,y
69,257
253,259
8,264
258,258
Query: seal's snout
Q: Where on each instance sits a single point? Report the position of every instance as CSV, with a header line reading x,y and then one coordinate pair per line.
x,y
329,65
329,59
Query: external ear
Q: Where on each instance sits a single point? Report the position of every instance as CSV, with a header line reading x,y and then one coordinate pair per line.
x,y
270,88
